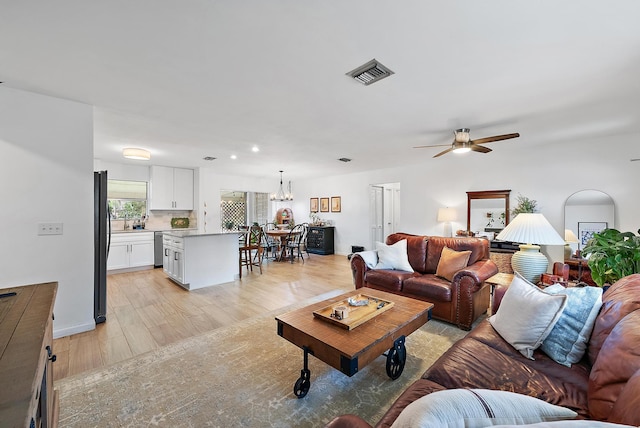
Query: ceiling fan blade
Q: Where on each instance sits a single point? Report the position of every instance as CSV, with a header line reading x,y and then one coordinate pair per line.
x,y
481,149
495,138
443,152
436,145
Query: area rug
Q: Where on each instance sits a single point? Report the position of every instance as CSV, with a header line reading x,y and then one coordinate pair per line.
x,y
239,376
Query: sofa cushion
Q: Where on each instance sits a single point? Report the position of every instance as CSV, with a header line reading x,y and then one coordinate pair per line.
x,y
567,342
428,287
483,359
618,361
526,315
451,261
393,256
478,408
479,249
387,279
618,301
416,249
625,411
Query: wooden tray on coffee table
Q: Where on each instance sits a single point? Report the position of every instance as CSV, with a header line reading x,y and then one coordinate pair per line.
x,y
357,314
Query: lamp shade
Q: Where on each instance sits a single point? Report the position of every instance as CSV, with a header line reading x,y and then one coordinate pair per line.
x,y
570,237
446,214
531,229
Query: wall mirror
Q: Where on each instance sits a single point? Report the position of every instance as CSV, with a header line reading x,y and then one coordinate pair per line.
x,y
585,213
487,211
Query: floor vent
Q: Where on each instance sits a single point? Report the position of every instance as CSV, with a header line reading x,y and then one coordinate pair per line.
x,y
370,72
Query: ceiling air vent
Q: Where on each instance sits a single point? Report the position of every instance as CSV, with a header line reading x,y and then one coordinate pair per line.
x,y
370,72
344,160
209,158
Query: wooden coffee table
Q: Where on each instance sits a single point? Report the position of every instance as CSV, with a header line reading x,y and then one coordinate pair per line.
x,y
351,350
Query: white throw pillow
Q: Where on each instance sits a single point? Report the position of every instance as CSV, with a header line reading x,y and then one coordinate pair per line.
x,y
570,424
567,341
393,256
475,408
370,258
526,315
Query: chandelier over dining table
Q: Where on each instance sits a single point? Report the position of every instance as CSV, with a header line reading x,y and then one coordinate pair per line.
x,y
280,195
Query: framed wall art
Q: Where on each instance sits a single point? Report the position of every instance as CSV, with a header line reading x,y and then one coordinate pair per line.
x,y
324,205
313,205
586,229
336,204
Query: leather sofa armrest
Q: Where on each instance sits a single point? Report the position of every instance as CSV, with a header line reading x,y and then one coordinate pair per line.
x,y
478,273
348,421
358,269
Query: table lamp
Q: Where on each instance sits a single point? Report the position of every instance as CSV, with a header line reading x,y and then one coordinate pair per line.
x,y
569,238
531,230
447,215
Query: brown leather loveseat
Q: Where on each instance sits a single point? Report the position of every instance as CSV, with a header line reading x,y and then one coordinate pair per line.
x,y
603,386
459,301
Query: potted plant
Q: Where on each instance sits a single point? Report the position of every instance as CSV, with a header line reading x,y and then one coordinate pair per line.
x,y
525,205
612,255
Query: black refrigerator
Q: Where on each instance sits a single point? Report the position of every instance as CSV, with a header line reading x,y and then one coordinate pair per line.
x,y
102,242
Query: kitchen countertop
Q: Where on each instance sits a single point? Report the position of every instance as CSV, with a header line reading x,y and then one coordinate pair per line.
x,y
192,233
153,230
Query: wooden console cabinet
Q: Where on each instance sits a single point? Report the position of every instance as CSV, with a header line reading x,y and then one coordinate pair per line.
x,y
27,397
320,239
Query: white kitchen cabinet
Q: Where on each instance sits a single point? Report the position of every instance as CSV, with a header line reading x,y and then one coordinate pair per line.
x,y
128,250
195,260
171,188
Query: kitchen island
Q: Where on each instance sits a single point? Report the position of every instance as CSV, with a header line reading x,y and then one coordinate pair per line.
x,y
195,260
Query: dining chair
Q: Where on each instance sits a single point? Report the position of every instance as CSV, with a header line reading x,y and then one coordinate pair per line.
x,y
295,241
269,243
250,250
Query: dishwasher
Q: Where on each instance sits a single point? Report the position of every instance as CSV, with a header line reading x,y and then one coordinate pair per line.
x,y
157,249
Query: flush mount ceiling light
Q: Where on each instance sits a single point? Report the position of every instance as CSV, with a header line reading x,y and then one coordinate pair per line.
x,y
370,72
137,154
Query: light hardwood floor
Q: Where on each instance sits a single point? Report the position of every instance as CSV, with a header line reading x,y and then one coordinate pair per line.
x,y
146,311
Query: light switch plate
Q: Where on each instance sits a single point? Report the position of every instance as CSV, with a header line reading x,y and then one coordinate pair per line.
x,y
49,228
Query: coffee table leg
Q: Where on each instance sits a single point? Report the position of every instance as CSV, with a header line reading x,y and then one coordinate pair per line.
x,y
303,384
396,358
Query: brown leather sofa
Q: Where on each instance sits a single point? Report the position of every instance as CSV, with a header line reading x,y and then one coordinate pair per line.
x,y
604,386
460,301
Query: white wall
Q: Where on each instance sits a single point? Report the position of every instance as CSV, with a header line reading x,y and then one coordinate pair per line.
x,y
46,175
550,174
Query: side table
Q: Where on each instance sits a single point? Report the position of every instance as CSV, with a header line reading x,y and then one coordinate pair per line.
x,y
500,278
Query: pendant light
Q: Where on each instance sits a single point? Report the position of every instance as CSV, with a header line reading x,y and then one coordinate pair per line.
x,y
280,195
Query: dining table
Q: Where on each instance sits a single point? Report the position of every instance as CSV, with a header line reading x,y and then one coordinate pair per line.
x,y
280,236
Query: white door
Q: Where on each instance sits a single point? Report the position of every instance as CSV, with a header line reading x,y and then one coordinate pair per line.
x,y
376,214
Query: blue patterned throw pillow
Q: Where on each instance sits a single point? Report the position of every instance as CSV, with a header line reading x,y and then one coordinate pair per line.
x,y
567,342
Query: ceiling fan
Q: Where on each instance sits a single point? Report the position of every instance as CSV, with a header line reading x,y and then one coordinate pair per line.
x,y
462,142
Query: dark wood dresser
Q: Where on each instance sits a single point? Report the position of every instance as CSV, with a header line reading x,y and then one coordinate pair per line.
x,y
27,397
320,240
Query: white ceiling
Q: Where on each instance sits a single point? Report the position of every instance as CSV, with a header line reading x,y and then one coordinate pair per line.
x,y
193,78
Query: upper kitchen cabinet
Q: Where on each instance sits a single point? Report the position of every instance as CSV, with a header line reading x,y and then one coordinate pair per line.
x,y
171,188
